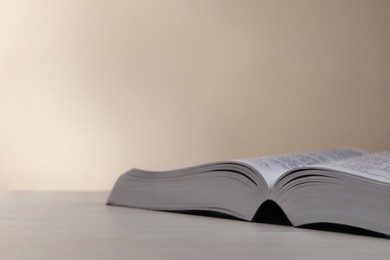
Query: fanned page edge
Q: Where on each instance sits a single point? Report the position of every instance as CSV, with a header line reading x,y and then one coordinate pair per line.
x,y
124,192
328,193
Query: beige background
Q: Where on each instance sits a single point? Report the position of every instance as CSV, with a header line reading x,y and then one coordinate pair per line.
x,y
89,89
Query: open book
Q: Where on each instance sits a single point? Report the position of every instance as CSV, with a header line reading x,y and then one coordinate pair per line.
x,y
342,186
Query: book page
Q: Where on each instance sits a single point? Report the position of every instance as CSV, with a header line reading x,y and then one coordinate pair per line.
x,y
374,166
272,167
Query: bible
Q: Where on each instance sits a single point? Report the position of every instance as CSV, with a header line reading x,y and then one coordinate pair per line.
x,y
342,186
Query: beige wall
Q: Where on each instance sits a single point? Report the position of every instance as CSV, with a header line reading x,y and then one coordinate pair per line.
x,y
89,89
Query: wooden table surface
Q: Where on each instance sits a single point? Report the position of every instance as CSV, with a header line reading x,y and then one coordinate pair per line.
x,y
78,225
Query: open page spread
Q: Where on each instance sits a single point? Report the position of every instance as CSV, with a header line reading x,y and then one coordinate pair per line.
x,y
372,166
272,167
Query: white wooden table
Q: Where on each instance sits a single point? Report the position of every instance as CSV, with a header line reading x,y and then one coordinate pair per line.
x,y
78,225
